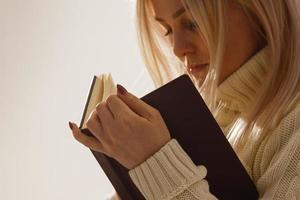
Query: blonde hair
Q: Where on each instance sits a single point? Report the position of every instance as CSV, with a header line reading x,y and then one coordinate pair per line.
x,y
278,22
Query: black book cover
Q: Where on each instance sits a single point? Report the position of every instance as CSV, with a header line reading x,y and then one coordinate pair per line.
x,y
191,123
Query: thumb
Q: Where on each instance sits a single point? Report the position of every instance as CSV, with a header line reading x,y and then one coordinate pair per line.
x,y
137,105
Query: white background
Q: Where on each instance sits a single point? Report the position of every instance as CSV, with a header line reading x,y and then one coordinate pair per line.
x,y
49,52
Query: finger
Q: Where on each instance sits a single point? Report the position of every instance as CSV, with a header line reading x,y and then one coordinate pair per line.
x,y
118,107
135,104
95,126
105,115
94,117
87,141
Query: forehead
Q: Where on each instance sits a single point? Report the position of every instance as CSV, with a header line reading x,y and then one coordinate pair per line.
x,y
166,8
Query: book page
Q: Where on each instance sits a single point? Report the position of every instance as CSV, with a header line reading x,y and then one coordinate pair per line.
x,y
103,88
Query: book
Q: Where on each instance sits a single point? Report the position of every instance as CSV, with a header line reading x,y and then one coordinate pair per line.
x,y
101,87
191,123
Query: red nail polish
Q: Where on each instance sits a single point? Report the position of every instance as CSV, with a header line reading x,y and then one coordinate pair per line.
x,y
121,89
71,126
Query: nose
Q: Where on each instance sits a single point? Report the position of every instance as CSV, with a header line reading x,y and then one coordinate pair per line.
x,y
182,46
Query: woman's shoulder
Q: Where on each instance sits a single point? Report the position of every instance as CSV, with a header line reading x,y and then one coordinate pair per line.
x,y
287,127
285,133
291,119
279,143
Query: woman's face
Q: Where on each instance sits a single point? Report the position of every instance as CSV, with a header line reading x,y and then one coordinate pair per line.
x,y
187,43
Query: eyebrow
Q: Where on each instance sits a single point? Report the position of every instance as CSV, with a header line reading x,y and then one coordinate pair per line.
x,y
175,15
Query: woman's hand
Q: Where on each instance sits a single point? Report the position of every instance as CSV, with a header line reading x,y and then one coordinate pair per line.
x,y
125,128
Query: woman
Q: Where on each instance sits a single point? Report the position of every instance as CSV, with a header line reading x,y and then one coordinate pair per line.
x,y
244,58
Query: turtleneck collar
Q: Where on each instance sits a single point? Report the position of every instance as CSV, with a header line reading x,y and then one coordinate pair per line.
x,y
238,91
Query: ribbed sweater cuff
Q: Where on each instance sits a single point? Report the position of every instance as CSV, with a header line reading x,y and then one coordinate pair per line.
x,y
167,173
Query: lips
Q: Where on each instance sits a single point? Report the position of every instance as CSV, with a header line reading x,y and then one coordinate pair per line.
x,y
198,71
193,67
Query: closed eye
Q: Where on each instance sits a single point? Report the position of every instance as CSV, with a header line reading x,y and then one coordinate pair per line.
x,y
167,28
189,25
169,31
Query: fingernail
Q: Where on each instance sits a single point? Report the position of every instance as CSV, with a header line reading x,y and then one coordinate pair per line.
x,y
71,126
121,89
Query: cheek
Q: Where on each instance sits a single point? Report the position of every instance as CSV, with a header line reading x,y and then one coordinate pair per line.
x,y
202,47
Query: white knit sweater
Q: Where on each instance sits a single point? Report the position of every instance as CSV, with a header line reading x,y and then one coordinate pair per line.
x,y
274,167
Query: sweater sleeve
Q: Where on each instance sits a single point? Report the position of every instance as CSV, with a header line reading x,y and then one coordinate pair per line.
x,y
171,174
